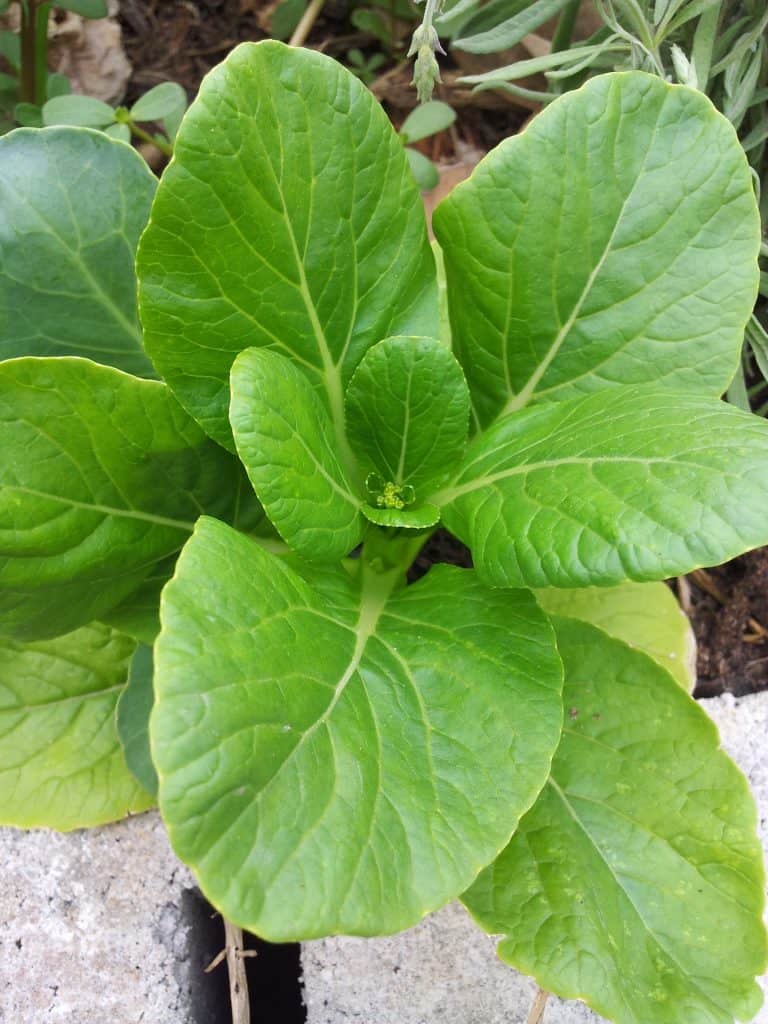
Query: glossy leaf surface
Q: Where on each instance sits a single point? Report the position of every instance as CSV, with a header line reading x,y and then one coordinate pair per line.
x,y
285,438
72,206
636,881
623,484
408,412
354,782
644,615
102,476
288,219
134,707
613,242
61,762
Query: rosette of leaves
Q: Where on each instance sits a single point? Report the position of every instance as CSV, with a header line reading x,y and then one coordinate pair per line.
x,y
335,750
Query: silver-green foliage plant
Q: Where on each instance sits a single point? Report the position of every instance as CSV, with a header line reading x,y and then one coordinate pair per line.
x,y
334,750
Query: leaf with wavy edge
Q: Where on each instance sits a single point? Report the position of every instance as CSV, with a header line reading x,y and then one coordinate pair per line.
x,y
636,880
287,219
61,764
613,242
338,758
622,484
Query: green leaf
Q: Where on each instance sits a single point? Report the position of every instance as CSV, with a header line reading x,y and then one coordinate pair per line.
x,y
419,518
10,48
645,616
72,207
622,484
62,765
407,410
86,8
58,85
636,881
357,778
102,475
508,31
84,111
159,102
612,242
427,119
119,131
28,115
133,710
284,160
424,172
139,614
285,17
285,439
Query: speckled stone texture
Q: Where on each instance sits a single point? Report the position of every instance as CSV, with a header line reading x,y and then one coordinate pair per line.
x,y
445,972
94,927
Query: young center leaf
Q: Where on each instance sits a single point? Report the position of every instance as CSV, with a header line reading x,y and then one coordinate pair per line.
x,y
62,764
356,778
646,616
621,484
613,242
72,206
288,219
407,409
102,476
636,881
285,438
134,707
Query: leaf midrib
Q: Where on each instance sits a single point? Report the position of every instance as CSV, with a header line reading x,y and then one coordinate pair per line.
x,y
109,510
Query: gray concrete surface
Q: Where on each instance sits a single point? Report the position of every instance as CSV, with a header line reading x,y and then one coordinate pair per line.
x,y
93,927
445,971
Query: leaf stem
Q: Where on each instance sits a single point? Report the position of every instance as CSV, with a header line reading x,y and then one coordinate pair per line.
x,y
536,1014
238,982
165,147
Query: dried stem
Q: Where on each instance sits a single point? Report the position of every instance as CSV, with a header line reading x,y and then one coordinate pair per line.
x,y
238,983
304,27
537,1009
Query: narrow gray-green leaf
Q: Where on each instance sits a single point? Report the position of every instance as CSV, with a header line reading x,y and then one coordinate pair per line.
x,y
285,438
622,484
344,758
636,881
61,764
72,206
288,219
407,412
613,242
508,31
102,475
644,615
134,707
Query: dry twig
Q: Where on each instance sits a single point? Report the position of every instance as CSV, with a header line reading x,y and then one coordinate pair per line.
x,y
537,1009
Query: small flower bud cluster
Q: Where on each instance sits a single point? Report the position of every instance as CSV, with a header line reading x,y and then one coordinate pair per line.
x,y
426,70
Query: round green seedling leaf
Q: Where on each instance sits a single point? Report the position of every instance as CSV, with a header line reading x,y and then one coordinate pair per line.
x,y
61,764
644,615
427,119
408,413
424,172
165,99
73,109
613,242
134,707
285,438
418,518
344,757
72,206
622,484
636,881
102,476
288,220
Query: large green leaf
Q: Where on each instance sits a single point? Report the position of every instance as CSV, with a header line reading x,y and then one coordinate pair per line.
x,y
408,412
284,435
102,475
288,219
72,206
622,484
613,242
636,881
339,757
644,615
61,764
